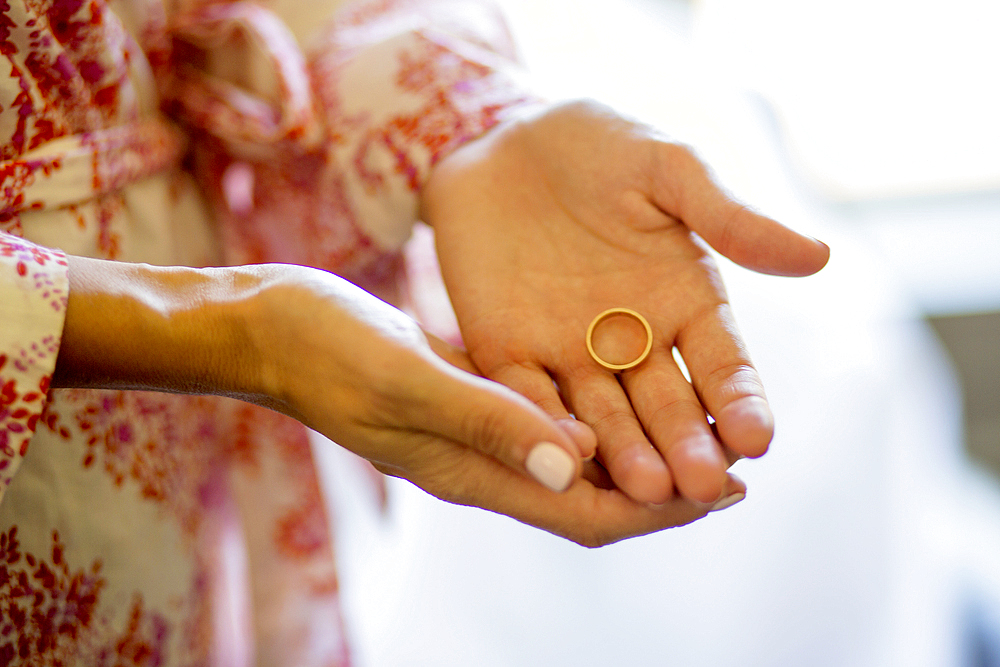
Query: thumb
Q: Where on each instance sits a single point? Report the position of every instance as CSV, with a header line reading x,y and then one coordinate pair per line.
x,y
497,421
687,189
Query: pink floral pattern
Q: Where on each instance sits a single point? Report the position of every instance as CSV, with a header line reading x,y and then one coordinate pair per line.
x,y
35,277
51,613
162,453
112,129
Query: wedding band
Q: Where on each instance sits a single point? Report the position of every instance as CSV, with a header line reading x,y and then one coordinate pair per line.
x,y
619,311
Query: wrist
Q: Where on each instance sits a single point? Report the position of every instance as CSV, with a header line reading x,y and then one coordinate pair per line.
x,y
486,147
175,329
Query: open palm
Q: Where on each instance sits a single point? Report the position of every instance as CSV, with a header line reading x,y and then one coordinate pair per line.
x,y
549,220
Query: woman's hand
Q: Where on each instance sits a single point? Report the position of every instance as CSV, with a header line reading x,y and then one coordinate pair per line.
x,y
311,345
363,374
549,220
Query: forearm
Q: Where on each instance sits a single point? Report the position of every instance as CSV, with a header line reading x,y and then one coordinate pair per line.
x,y
360,372
135,326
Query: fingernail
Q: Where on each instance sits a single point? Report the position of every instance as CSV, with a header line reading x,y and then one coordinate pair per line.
x,y
551,465
582,435
728,501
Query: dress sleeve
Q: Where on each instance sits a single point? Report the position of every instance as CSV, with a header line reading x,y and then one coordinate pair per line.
x,y
409,85
33,288
353,121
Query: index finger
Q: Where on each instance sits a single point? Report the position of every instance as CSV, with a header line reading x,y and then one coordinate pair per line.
x,y
726,381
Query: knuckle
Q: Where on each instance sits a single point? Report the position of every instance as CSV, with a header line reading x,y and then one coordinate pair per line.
x,y
482,429
732,381
616,421
679,158
673,150
674,410
672,423
730,226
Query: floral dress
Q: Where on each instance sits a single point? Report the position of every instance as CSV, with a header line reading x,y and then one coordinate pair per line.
x,y
138,528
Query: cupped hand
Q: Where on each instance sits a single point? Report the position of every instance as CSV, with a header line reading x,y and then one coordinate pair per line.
x,y
550,219
364,374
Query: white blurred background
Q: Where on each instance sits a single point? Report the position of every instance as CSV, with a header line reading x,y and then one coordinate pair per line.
x,y
870,534
888,110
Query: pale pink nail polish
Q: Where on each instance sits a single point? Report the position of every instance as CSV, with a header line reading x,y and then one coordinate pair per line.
x,y
551,465
728,501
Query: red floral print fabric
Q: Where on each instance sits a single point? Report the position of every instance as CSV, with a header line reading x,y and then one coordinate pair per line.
x,y
33,282
199,132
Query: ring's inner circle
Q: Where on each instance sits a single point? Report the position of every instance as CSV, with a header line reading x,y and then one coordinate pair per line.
x,y
619,338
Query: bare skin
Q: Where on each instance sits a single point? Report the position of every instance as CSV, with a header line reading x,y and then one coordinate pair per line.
x,y
546,222
541,224
311,345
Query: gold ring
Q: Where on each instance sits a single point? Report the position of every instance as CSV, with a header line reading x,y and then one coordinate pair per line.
x,y
616,311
